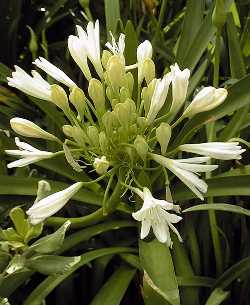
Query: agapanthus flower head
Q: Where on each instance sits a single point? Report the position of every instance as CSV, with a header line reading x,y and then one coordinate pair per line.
x,y
35,86
27,153
154,213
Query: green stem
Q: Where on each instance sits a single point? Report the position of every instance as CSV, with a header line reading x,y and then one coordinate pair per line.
x,y
211,137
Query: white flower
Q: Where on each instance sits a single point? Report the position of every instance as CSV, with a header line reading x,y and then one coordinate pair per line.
x,y
117,48
179,87
101,165
51,204
159,97
144,51
91,42
35,86
217,150
187,171
27,128
27,153
207,99
53,71
78,53
154,214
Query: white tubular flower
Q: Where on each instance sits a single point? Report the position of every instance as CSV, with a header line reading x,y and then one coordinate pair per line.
x,y
144,52
27,153
117,48
207,99
27,128
216,150
35,86
101,165
78,53
154,214
53,71
51,204
187,171
179,87
159,97
91,43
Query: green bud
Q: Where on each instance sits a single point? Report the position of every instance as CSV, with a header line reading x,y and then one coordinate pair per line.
x,y
105,58
130,82
141,147
104,143
114,102
148,70
142,122
93,135
110,122
33,45
96,93
126,112
163,135
109,93
59,98
124,94
76,133
116,71
147,93
78,99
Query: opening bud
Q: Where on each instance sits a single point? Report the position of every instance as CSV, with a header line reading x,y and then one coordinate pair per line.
x,y
29,129
105,58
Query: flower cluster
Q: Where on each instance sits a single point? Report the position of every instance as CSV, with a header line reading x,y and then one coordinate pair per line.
x,y
121,123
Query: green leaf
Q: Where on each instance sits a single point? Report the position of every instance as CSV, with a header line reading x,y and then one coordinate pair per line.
x,y
218,207
112,14
52,264
191,25
217,297
42,290
115,287
157,262
217,186
51,243
131,43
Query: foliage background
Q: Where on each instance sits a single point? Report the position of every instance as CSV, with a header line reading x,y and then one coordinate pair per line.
x,y
180,31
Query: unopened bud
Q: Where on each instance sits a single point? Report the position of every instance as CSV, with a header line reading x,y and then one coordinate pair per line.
x,y
93,135
148,70
163,135
103,141
126,112
76,133
207,99
142,122
78,99
124,94
130,82
105,58
141,147
59,98
101,165
116,71
110,122
29,129
33,45
97,95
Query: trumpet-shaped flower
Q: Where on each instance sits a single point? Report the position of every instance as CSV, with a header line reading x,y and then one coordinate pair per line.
x,y
179,87
159,97
154,214
117,48
35,86
207,99
53,71
78,53
51,204
216,150
101,165
91,43
27,153
187,171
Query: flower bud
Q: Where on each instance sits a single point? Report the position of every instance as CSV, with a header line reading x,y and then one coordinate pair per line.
x,y
97,95
141,147
110,122
147,93
104,143
148,70
33,45
78,99
207,99
124,94
116,71
126,112
29,129
93,135
59,98
144,51
130,82
142,122
105,58
101,165
163,135
76,133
